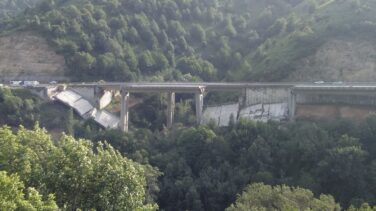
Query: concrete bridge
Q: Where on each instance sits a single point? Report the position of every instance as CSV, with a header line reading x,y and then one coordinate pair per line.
x,y
252,93
198,89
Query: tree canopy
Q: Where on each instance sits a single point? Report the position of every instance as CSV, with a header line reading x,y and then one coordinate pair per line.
x,y
259,196
13,197
80,175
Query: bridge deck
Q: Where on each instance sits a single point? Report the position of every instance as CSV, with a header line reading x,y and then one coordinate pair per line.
x,y
188,87
180,87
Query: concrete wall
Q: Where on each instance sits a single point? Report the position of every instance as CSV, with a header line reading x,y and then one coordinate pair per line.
x,y
221,115
265,112
267,95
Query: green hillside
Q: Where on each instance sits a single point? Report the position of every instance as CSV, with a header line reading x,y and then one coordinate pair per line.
x,y
321,165
188,40
10,8
155,40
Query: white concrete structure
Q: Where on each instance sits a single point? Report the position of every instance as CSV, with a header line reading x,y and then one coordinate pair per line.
x,y
265,112
105,99
86,110
221,115
267,95
170,109
74,100
105,119
124,112
68,97
82,106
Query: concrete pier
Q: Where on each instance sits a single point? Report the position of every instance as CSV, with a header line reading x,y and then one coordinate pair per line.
x,y
170,109
292,105
124,113
199,99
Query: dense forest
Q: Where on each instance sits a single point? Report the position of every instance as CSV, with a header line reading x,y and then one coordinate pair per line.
x,y
197,168
190,40
205,167
11,8
186,168
245,166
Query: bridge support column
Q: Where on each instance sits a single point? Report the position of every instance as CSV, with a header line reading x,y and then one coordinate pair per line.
x,y
124,113
292,105
199,105
243,98
170,109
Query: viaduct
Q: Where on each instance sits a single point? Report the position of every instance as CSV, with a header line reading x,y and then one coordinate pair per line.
x,y
253,93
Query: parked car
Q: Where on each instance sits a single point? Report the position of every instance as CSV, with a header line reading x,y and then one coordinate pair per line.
x,y
53,82
15,83
319,82
30,83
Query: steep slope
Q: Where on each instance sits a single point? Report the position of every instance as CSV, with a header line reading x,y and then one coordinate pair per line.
x,y
27,56
335,43
339,60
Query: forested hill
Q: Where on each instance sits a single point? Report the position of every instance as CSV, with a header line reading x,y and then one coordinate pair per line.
x,y
187,40
10,8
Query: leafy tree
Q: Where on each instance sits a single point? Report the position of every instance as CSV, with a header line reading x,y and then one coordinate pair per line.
x,y
147,62
175,29
346,169
69,123
131,58
230,29
12,196
80,175
15,110
364,207
264,197
198,67
198,33
84,62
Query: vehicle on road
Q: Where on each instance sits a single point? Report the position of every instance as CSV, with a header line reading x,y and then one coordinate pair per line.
x,y
318,82
15,83
30,83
